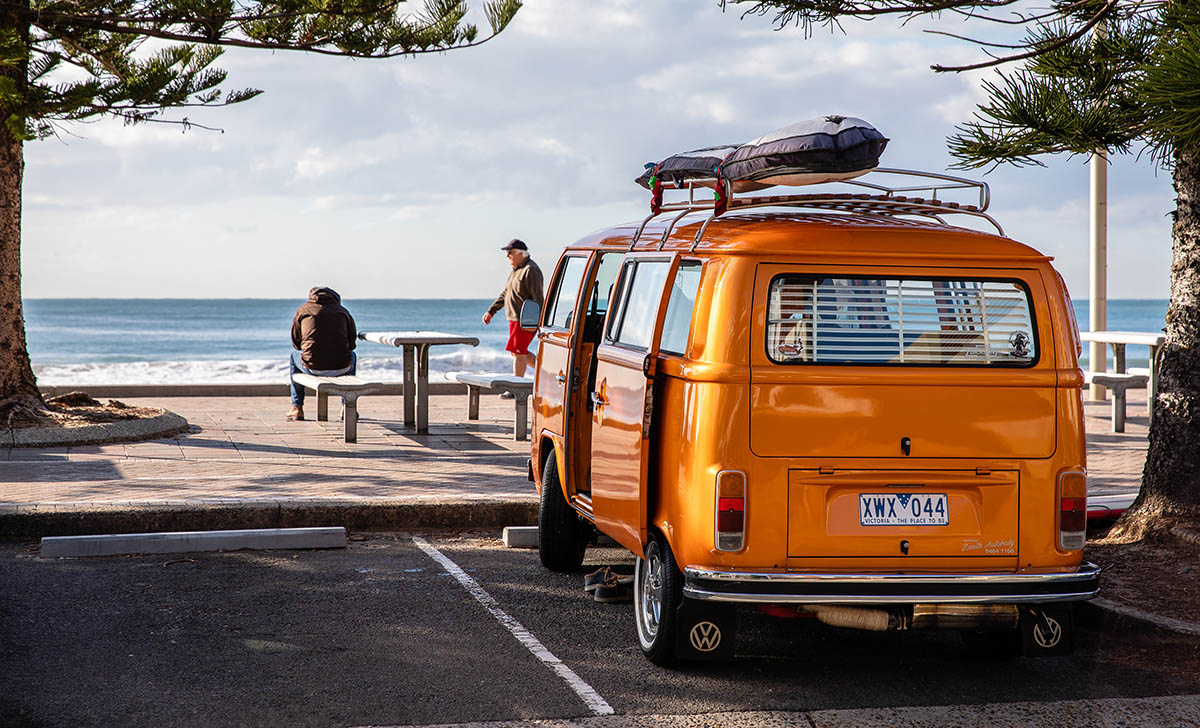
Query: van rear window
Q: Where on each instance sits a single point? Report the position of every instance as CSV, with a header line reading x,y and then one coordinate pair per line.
x,y
929,322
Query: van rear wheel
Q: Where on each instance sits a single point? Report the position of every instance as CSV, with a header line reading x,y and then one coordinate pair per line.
x,y
657,595
562,537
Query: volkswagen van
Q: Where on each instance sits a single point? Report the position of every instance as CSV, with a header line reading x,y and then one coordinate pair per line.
x,y
830,405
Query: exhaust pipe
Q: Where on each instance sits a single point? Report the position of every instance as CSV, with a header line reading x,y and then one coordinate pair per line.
x,y
924,616
965,616
874,620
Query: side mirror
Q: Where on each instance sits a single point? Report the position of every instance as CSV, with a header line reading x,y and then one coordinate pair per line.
x,y
531,315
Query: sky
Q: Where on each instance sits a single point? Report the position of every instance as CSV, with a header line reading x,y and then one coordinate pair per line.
x,y
402,178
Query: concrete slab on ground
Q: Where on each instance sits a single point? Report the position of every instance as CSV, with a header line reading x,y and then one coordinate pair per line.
x,y
520,537
180,542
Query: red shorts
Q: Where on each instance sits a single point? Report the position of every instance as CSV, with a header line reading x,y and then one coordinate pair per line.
x,y
518,338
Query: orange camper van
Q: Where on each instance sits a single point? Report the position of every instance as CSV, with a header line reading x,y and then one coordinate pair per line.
x,y
832,404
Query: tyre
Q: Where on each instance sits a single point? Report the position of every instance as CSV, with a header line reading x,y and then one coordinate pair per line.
x,y
562,537
657,595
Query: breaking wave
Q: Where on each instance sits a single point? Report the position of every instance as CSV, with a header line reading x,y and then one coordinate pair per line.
x,y
259,371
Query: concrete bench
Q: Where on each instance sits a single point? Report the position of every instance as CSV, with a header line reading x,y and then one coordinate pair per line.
x,y
346,386
519,387
1118,382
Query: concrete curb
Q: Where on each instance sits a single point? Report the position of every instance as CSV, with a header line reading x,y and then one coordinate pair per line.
x,y
164,425
33,522
1103,615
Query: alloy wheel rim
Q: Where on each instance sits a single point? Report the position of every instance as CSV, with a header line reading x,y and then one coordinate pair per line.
x,y
651,592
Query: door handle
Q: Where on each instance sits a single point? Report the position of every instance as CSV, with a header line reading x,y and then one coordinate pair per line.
x,y
598,397
560,378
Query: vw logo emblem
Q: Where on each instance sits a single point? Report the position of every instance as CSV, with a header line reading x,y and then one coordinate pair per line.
x,y
705,636
1047,640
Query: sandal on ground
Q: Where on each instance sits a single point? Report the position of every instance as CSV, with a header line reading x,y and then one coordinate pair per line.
x,y
507,395
295,413
613,592
595,579
609,586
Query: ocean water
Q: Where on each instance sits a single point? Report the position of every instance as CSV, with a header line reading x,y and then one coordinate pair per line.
x,y
202,341
198,341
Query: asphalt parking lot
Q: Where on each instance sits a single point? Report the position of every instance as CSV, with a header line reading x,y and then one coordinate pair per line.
x,y
386,633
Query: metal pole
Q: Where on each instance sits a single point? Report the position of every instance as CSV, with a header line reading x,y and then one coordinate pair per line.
x,y
1098,281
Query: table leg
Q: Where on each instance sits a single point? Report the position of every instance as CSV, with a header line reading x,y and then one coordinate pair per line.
x,y
1118,395
410,388
423,388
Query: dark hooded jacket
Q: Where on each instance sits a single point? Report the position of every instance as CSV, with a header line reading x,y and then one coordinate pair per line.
x,y
323,330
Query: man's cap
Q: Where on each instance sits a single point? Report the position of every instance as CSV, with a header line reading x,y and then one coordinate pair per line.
x,y
515,244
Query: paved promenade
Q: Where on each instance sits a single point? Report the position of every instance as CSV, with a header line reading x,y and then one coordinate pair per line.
x,y
243,465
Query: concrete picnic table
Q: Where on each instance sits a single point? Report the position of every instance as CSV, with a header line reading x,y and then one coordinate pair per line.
x,y
416,349
1118,341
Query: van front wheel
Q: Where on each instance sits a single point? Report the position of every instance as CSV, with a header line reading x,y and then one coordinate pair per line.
x,y
562,537
657,594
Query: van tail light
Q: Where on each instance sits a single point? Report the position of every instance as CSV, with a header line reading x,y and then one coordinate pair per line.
x,y
1072,510
731,510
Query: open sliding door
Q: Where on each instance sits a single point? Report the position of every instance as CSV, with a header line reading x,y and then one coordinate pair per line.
x,y
622,397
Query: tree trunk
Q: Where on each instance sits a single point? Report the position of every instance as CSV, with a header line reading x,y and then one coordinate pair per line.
x,y
1170,494
19,394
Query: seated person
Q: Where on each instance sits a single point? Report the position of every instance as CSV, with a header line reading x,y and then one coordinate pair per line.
x,y
323,339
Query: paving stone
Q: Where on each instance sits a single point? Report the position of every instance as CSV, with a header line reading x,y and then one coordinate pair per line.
x,y
245,457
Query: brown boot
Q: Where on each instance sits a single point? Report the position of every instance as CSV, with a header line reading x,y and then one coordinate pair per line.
x,y
296,412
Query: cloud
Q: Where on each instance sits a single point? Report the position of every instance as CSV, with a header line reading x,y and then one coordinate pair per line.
x,y
537,134
313,163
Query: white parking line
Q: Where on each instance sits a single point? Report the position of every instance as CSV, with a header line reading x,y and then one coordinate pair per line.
x,y
586,693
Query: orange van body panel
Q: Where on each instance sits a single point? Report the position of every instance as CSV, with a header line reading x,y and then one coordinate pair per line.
x,y
810,438
616,452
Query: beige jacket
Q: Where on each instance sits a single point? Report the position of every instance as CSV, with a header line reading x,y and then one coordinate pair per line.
x,y
524,284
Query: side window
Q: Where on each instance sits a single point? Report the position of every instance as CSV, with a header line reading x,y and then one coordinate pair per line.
x,y
641,291
566,288
616,307
600,294
606,276
678,323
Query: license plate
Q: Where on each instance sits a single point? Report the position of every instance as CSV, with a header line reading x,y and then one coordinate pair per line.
x,y
902,509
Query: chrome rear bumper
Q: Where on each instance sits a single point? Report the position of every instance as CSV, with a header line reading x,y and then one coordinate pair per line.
x,y
892,588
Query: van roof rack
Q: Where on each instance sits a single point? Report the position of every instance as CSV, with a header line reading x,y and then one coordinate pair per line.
x,y
887,200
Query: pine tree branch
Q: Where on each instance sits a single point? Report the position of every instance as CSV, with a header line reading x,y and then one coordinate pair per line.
x,y
1069,38
308,46
806,13
35,17
1021,19
975,41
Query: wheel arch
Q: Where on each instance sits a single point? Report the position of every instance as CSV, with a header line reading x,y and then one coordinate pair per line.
x,y
552,443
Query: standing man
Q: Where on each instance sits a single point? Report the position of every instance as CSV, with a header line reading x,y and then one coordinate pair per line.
x,y
323,339
524,284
